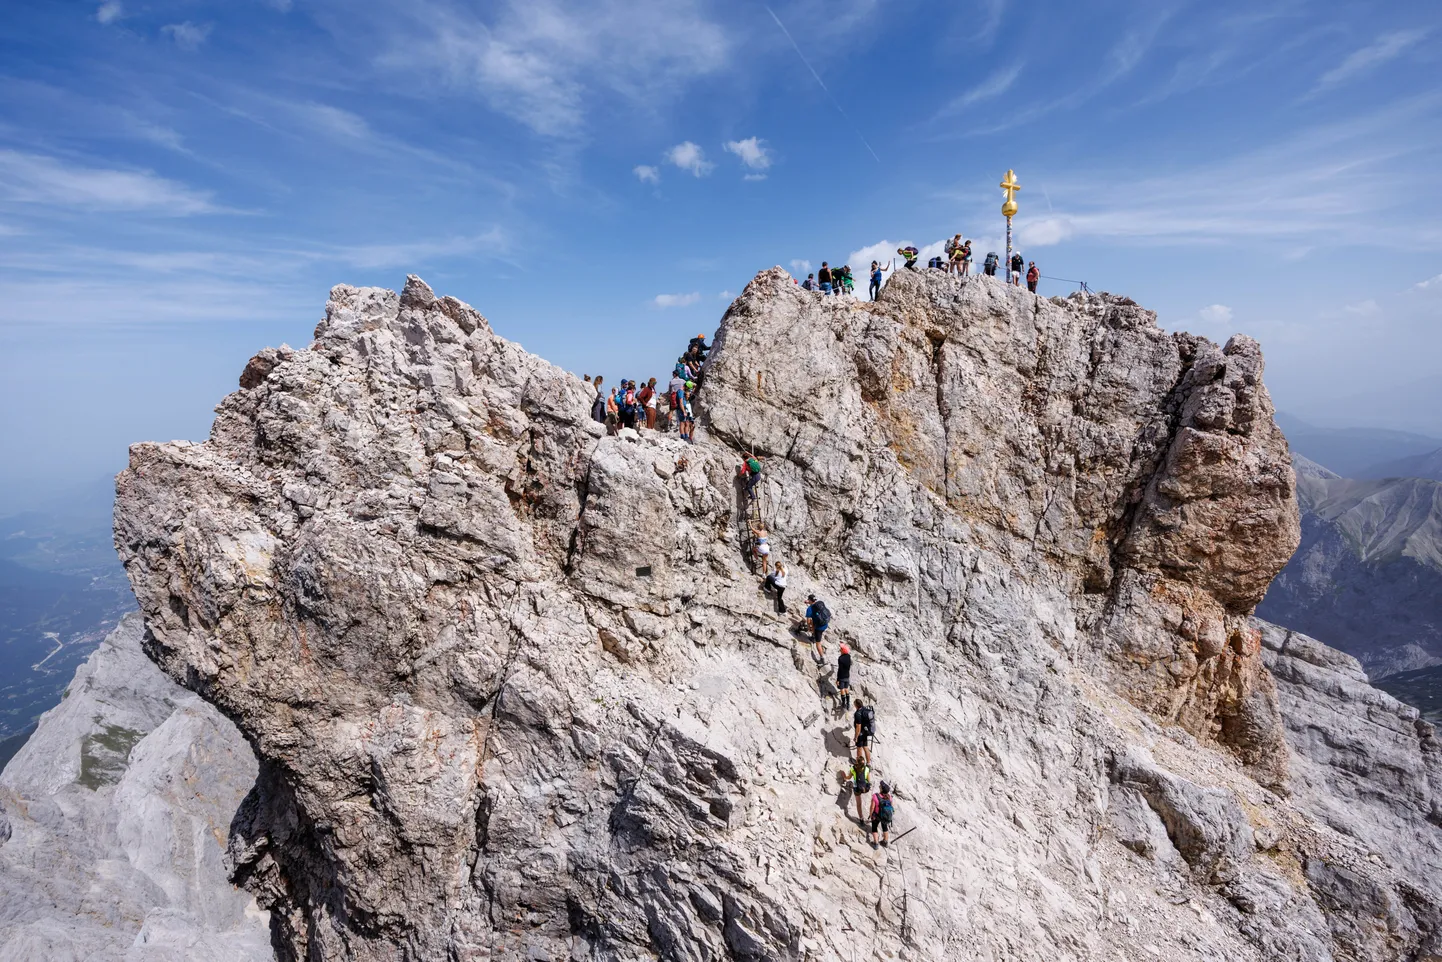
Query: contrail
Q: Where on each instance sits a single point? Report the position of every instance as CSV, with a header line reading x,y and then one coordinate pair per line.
x,y
841,110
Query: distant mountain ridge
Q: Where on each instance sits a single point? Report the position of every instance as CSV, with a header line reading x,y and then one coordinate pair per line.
x,y
1367,577
1418,466
1357,452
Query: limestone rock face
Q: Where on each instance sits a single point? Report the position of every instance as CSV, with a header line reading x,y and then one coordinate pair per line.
x,y
118,808
515,693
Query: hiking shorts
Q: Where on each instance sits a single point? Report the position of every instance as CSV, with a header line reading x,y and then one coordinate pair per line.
x,y
843,683
817,632
863,740
880,824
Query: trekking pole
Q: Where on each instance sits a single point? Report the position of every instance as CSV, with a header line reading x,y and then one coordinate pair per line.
x,y
903,834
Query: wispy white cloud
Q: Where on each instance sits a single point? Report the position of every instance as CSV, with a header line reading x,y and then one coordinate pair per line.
x,y
753,177
187,35
727,296
992,87
109,11
333,121
1429,283
1320,182
541,62
690,157
1387,47
799,266
647,174
676,300
38,179
1365,308
752,151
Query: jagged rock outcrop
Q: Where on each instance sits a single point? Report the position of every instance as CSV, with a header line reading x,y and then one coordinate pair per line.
x,y
515,694
1368,576
113,823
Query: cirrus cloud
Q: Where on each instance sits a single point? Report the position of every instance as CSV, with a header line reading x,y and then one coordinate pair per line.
x,y
676,300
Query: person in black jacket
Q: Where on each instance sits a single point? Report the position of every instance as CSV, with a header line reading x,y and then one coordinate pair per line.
x,y
843,677
864,725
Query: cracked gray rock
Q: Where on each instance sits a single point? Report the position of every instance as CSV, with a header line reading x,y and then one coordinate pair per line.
x,y
119,806
410,568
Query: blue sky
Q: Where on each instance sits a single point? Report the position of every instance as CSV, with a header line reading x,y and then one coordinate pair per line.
x,y
182,182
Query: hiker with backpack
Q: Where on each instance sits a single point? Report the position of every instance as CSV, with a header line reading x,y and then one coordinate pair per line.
x,y
751,471
848,283
776,584
843,678
859,778
681,404
1032,276
953,255
911,254
876,271
698,346
991,263
863,722
965,258
810,283
1016,265
883,809
818,619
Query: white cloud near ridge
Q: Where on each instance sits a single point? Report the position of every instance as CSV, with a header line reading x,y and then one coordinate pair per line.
x,y
676,300
39,179
647,174
187,35
690,157
1215,314
1387,47
752,151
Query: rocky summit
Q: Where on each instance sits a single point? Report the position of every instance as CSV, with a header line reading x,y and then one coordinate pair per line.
x,y
515,694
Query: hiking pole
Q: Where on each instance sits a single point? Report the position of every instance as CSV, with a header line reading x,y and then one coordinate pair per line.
x,y
904,834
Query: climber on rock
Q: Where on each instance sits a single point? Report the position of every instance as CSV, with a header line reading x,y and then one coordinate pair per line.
x,y
751,472
882,811
776,584
863,723
843,678
911,254
761,546
859,778
686,420
818,619
991,263
698,345
1032,276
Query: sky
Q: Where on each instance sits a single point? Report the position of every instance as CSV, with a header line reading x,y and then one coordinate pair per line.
x,y
182,181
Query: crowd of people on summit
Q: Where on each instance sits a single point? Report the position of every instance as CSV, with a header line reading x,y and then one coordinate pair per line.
x,y
956,260
650,405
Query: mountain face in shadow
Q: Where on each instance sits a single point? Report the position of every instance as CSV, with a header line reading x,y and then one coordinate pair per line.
x,y
1367,577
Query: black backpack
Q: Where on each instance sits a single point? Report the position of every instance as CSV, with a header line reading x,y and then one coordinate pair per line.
x,y
820,615
867,720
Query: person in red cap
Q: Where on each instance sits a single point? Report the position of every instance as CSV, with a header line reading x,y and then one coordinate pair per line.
x,y
843,676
